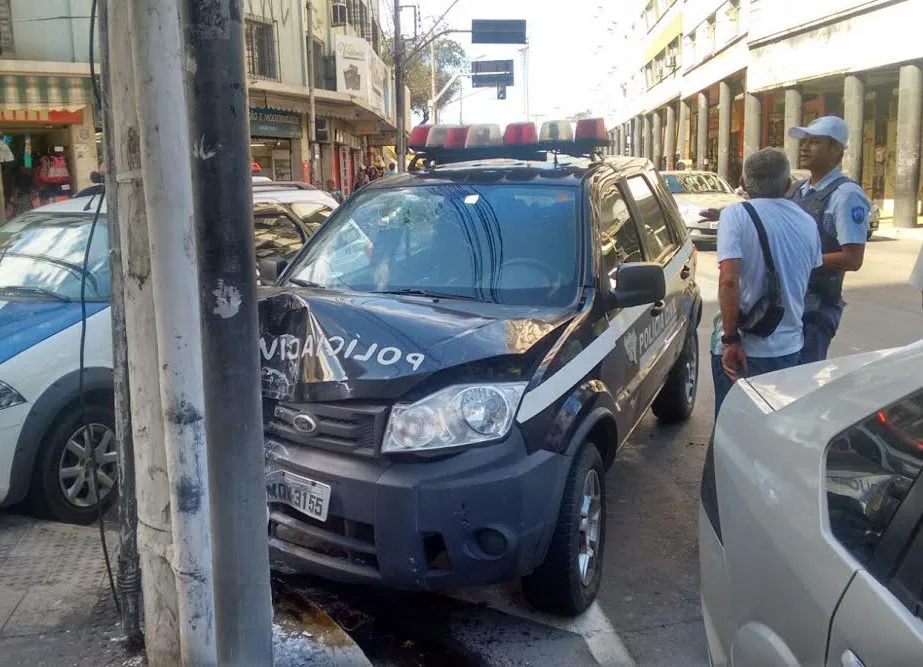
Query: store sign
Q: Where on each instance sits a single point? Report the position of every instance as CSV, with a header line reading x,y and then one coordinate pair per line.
x,y
361,73
274,123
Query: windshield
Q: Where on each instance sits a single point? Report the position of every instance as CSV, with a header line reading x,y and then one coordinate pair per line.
x,y
696,183
311,213
41,256
509,244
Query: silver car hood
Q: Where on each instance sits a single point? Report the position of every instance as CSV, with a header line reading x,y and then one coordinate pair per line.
x,y
709,199
782,388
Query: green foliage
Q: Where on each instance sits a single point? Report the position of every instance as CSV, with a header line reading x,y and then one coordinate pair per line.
x,y
451,59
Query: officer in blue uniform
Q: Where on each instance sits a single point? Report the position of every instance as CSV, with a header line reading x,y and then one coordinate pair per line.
x,y
841,210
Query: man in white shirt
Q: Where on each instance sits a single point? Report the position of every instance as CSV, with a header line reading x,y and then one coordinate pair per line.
x,y
795,248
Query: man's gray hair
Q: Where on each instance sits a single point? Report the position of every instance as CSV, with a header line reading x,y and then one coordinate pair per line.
x,y
767,173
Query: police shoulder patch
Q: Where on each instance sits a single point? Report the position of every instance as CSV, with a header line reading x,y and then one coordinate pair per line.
x,y
858,214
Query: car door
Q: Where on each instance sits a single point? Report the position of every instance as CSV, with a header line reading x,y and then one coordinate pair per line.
x,y
876,512
619,242
660,341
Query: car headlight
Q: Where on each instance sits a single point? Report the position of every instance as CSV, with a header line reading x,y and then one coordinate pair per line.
x,y
456,416
9,396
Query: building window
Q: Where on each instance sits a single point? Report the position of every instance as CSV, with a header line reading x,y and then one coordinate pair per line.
x,y
650,14
261,49
689,54
364,28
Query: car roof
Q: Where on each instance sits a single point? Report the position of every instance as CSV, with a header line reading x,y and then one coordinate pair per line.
x,y
568,171
294,196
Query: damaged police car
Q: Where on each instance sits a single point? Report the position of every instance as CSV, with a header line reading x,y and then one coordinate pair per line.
x,y
452,362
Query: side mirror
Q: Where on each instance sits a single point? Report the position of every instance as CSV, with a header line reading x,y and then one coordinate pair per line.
x,y
97,178
270,269
637,284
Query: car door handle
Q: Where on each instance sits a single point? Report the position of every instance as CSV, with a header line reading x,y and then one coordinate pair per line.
x,y
850,659
686,272
657,308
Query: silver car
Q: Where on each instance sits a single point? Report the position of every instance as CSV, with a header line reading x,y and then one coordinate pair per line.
x,y
811,516
701,196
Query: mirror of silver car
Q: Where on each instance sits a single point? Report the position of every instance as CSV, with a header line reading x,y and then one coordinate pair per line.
x,y
637,284
270,269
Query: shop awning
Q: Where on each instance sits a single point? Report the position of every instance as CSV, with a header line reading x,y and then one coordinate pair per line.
x,y
28,92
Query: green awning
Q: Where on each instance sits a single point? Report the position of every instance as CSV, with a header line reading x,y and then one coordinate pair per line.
x,y
28,92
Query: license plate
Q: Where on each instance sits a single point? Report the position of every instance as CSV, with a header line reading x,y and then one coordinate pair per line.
x,y
303,494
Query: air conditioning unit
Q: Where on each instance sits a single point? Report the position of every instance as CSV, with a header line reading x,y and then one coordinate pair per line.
x,y
340,15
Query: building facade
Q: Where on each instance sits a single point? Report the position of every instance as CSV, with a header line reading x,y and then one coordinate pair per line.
x,y
48,114
715,80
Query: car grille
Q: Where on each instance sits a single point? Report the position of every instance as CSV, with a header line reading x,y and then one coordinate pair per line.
x,y
339,427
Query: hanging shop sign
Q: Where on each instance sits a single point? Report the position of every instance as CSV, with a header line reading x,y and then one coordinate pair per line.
x,y
274,123
361,73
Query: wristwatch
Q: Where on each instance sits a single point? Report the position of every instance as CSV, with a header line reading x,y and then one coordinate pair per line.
x,y
730,339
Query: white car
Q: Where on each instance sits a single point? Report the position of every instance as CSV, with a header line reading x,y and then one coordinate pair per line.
x,y
700,196
43,452
811,516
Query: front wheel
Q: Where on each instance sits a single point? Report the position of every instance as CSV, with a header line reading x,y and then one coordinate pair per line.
x,y
676,399
567,581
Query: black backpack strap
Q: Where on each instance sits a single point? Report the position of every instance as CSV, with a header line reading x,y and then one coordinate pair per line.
x,y
824,194
764,240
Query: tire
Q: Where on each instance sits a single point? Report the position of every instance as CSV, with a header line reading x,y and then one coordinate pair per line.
x,y
676,399
61,452
559,586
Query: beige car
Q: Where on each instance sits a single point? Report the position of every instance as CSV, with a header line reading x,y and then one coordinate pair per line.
x,y
700,196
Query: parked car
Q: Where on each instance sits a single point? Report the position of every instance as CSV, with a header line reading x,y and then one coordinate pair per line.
x,y
306,202
42,437
700,196
811,516
453,361
874,211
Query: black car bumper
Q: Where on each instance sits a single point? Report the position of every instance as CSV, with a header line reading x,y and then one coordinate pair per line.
x,y
482,516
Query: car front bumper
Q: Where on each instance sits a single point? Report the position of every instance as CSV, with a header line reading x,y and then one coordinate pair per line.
x,y
11,423
482,516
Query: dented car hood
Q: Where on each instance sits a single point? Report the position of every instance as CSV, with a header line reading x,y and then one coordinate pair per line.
x,y
320,345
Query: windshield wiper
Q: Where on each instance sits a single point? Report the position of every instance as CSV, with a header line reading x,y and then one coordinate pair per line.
x,y
416,291
73,268
22,289
305,283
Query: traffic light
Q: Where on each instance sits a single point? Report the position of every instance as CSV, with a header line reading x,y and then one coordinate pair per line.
x,y
501,92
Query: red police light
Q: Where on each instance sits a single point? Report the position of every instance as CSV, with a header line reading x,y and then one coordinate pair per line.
x,y
591,129
520,134
418,137
456,137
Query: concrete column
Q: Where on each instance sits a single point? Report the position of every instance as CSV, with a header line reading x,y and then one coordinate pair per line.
x,y
701,143
636,137
657,130
670,141
753,125
647,150
854,115
81,153
793,111
724,129
683,131
907,176
623,138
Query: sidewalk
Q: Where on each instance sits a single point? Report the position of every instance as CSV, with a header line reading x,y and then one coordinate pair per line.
x,y
56,609
888,230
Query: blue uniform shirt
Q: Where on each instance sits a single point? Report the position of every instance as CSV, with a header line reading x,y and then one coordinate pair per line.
x,y
847,213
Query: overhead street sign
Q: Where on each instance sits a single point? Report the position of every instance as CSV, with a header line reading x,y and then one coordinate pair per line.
x,y
491,73
498,32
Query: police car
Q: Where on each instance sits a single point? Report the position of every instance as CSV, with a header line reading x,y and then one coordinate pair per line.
x,y
452,362
43,437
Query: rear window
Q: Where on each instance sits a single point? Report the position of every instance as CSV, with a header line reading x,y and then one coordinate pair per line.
x,y
513,244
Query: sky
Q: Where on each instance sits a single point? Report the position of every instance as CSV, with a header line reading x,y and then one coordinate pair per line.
x,y
570,58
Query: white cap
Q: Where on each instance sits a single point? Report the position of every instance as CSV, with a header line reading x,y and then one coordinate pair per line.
x,y
825,126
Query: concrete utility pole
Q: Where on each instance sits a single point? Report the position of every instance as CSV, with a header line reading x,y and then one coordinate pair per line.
x,y
400,144
230,330
312,107
161,68
126,207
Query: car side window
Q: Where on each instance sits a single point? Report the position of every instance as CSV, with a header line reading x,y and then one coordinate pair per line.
x,y
276,236
870,469
655,226
619,238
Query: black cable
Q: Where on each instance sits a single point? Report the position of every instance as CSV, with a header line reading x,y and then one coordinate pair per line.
x,y
93,457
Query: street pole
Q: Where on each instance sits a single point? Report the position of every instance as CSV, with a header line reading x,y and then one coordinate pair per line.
x,y
400,145
312,110
432,84
230,353
161,70
126,206
129,567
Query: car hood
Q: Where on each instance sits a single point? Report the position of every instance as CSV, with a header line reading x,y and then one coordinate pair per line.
x,y
705,200
782,388
319,345
24,323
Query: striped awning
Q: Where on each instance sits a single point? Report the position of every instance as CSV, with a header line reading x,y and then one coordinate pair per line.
x,y
27,92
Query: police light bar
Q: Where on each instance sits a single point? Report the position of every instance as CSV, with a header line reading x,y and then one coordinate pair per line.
x,y
418,137
456,137
591,133
438,135
520,134
556,131
485,134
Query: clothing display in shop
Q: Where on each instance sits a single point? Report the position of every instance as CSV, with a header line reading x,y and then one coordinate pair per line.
x,y
52,169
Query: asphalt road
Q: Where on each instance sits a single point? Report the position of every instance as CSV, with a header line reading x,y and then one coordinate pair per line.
x,y
648,607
